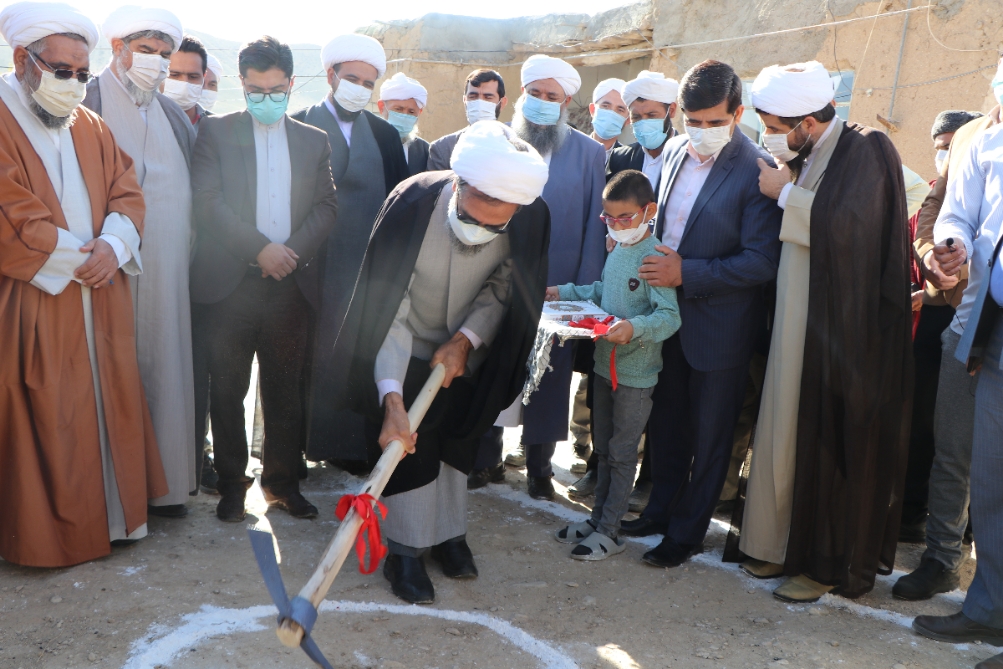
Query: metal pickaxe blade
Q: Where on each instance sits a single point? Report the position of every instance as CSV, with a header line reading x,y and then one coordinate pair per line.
x,y
299,610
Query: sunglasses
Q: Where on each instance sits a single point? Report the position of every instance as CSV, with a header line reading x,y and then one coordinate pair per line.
x,y
465,218
83,76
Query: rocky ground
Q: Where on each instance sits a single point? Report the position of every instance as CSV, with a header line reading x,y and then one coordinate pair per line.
x,y
190,596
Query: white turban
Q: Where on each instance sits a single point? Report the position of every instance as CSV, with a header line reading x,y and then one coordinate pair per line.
x,y
605,86
546,67
793,90
486,159
402,87
353,46
131,19
215,66
24,23
650,86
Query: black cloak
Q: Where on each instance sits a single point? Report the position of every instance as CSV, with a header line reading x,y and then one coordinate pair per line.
x,y
383,280
856,387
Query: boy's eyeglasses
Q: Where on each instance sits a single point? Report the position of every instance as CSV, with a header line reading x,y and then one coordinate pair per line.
x,y
83,76
260,97
623,220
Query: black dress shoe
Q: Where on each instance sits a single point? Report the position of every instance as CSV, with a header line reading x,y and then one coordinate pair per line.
x,y
408,579
210,479
230,508
167,511
456,559
479,478
929,578
913,533
294,504
641,527
670,554
958,628
540,487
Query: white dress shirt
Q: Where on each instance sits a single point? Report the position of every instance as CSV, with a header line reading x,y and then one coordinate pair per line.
x,y
689,180
973,215
786,191
274,208
652,167
346,126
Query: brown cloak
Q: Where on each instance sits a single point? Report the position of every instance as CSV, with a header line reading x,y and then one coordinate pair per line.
x,y
856,388
52,504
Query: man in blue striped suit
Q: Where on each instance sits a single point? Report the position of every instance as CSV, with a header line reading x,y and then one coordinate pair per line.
x,y
970,230
720,247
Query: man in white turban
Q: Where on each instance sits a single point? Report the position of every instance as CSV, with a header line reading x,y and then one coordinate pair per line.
x,y
483,100
78,450
154,131
402,100
823,504
608,113
367,161
651,99
577,249
210,84
446,301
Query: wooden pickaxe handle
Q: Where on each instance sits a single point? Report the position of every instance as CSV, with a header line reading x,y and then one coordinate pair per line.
x,y
344,538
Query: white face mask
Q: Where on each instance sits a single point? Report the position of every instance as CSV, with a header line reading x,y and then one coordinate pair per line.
x,y
59,97
777,146
629,236
148,70
480,110
208,99
940,159
471,235
708,141
352,97
185,94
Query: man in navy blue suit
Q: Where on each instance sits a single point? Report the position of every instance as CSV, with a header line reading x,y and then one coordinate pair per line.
x,y
720,247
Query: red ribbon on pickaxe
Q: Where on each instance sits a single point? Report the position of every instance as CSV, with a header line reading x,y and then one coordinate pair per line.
x,y
363,505
599,328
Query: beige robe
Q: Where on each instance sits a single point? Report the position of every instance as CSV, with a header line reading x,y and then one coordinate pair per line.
x,y
770,492
160,295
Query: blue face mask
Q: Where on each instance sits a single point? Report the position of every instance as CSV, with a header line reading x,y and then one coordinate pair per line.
x,y
267,110
607,123
540,111
403,122
650,133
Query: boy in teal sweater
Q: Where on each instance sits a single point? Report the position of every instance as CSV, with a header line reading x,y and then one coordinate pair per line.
x,y
625,380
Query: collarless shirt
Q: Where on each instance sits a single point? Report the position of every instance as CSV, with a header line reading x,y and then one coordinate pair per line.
x,y
274,172
652,166
690,179
786,191
346,126
141,108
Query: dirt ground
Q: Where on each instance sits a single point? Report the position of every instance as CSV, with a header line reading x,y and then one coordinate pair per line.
x,y
190,596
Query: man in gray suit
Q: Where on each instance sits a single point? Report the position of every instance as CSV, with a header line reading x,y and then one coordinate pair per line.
x,y
264,202
483,98
970,229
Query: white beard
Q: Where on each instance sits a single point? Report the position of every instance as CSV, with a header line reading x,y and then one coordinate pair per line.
x,y
138,95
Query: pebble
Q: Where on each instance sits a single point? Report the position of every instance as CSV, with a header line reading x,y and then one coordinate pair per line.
x,y
453,631
493,609
762,621
834,644
571,584
589,601
92,657
816,612
56,599
19,588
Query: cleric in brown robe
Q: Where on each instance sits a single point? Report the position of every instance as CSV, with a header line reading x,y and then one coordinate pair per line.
x,y
853,416
78,456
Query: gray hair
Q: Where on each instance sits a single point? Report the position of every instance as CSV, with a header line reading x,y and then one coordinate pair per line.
x,y
155,34
951,120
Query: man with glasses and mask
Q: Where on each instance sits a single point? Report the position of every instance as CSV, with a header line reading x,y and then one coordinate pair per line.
x,y
367,161
79,453
483,100
828,467
264,204
448,250
719,248
154,131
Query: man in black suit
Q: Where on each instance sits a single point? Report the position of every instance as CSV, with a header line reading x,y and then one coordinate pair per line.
x,y
263,203
651,101
402,100
720,245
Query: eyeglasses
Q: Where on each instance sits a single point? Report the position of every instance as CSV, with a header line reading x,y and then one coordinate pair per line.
x,y
623,220
465,218
260,97
83,76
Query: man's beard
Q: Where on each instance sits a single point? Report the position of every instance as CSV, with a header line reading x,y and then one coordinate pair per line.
x,y
410,136
138,95
796,164
544,138
343,114
31,83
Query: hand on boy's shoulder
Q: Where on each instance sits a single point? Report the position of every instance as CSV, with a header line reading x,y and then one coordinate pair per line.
x,y
665,270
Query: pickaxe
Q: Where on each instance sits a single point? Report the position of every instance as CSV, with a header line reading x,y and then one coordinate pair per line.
x,y
296,617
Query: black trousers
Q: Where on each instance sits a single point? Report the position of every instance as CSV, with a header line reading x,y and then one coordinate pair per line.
x,y
271,319
201,324
691,432
926,350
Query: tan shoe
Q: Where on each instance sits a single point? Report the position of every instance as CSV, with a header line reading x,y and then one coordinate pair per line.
x,y
762,569
801,590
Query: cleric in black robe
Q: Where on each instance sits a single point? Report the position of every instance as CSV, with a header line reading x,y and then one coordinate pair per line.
x,y
456,271
367,162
